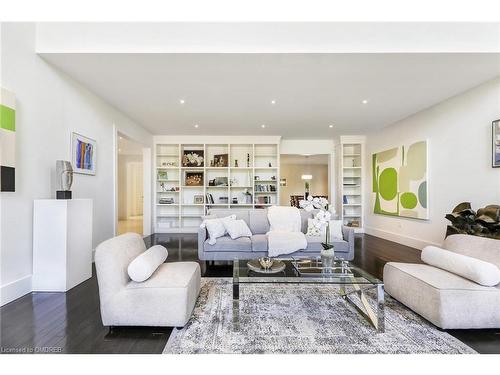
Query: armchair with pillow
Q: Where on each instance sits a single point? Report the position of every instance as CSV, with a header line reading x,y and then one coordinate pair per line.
x,y
136,287
458,287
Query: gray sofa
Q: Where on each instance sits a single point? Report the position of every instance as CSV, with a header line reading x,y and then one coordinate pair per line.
x,y
256,246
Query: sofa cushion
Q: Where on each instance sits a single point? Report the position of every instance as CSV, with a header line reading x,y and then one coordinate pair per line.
x,y
225,244
259,242
447,300
473,269
169,275
241,214
142,267
259,223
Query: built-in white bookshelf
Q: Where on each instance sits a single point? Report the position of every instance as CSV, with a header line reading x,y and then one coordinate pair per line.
x,y
352,174
231,176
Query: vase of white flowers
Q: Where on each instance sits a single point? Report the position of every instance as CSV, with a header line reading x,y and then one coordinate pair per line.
x,y
321,221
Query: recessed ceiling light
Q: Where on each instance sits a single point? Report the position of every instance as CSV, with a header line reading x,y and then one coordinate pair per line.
x,y
119,150
330,126
182,101
365,101
196,126
263,126
273,101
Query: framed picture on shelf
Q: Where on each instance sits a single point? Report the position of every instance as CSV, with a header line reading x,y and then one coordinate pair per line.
x,y
220,181
221,160
198,199
83,154
496,144
194,179
193,158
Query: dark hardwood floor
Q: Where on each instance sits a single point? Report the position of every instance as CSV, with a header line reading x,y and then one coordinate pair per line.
x,y
71,322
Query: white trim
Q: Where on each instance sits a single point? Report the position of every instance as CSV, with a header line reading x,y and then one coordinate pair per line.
x,y
148,186
399,238
15,289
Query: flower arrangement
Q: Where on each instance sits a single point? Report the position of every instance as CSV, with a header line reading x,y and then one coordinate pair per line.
x,y
322,218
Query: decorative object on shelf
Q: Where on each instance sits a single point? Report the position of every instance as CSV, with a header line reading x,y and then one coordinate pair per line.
x,y
7,141
166,200
193,158
496,143
220,181
170,164
270,165
83,154
198,199
256,178
64,178
194,179
344,199
484,223
248,160
162,175
233,182
400,181
273,178
282,181
221,160
235,200
353,161
210,198
212,163
211,182
248,196
236,163
266,265
223,200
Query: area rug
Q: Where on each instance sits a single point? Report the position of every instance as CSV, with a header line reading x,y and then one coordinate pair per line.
x,y
309,319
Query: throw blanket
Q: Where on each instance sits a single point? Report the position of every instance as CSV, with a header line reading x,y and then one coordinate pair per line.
x,y
284,236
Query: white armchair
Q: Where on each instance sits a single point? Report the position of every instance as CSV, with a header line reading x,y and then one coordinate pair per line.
x,y
167,298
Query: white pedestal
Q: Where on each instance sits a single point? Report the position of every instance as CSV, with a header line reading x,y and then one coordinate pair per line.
x,y
62,243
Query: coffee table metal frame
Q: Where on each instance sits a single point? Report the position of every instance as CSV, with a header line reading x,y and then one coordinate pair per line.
x,y
343,274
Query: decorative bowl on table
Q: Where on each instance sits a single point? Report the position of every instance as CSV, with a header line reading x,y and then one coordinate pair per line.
x,y
266,265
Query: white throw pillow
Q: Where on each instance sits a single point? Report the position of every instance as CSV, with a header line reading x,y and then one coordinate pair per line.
x,y
479,271
215,227
315,229
237,229
142,267
336,230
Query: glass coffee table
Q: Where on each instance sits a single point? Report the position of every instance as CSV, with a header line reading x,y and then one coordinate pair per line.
x,y
351,280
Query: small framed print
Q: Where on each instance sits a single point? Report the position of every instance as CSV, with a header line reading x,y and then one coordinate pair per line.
x,y
495,144
198,199
83,154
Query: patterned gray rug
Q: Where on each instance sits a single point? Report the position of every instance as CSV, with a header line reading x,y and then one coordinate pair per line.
x,y
301,319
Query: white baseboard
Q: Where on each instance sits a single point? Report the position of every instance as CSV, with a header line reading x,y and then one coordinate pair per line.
x,y
399,238
15,289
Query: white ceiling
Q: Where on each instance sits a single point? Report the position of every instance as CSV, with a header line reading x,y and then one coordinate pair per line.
x,y
231,94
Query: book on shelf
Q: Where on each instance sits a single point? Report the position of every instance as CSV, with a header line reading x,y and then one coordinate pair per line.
x,y
265,188
210,198
345,199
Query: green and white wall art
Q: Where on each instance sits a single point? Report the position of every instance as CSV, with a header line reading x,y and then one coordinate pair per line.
x,y
7,141
400,181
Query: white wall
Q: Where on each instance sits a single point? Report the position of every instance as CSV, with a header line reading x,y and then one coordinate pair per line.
x,y
458,131
49,107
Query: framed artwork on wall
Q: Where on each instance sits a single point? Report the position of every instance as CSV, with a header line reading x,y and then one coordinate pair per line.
x,y
495,134
400,181
7,141
83,154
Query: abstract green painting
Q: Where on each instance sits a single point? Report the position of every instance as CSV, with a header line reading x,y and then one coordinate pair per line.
x,y
400,181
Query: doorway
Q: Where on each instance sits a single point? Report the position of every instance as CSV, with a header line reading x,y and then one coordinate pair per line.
x,y
302,175
130,186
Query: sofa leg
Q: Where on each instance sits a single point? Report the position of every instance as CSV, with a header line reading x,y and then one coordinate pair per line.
x,y
111,329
